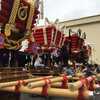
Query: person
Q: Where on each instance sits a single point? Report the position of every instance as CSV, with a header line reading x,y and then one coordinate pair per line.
x,y
97,67
24,45
89,70
38,62
69,70
80,69
65,54
55,56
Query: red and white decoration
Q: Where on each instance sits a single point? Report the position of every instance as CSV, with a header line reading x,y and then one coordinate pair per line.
x,y
48,37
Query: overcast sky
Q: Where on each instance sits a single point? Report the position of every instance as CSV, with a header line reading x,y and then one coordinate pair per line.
x,y
70,9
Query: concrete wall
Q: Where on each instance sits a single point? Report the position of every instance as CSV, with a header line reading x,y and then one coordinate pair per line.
x,y
90,25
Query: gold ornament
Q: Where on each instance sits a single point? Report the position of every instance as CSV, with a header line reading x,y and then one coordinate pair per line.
x,y
22,13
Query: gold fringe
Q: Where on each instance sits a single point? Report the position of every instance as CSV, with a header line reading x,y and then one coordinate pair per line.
x,y
12,18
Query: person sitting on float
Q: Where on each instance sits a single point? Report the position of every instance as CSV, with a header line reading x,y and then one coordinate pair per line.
x,y
69,69
38,62
97,68
89,70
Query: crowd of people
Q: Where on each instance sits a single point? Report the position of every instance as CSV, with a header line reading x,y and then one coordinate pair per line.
x,y
86,70
57,58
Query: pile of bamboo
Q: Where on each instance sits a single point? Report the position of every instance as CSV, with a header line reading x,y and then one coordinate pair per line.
x,y
54,86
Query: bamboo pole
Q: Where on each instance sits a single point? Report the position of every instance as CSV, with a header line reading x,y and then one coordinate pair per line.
x,y
42,82
80,83
59,85
6,84
13,83
37,82
51,92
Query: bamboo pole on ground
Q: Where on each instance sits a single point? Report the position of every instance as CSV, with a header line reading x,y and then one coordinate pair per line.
x,y
6,84
36,82
50,91
42,82
34,79
59,85
80,83
53,82
13,83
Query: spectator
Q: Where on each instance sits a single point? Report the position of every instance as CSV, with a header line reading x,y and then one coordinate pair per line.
x,y
38,62
97,67
89,70
70,70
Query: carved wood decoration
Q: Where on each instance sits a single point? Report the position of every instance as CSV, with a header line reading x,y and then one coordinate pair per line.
x,y
17,17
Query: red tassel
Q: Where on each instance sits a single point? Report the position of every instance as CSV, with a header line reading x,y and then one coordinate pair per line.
x,y
45,87
19,83
17,86
91,86
64,82
23,82
80,94
87,83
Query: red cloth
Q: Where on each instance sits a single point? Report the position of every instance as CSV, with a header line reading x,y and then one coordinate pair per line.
x,y
17,86
80,94
91,85
64,82
19,83
45,87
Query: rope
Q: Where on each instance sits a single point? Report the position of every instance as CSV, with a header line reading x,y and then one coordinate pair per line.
x,y
64,82
91,85
45,87
18,85
81,94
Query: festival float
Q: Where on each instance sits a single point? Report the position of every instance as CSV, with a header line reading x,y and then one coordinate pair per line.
x,y
21,40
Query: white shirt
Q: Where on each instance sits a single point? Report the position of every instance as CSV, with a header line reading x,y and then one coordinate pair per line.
x,y
24,45
38,62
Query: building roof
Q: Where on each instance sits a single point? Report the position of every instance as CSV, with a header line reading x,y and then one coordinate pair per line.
x,y
81,21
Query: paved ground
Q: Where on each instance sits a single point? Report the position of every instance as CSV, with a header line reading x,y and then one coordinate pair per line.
x,y
17,96
36,97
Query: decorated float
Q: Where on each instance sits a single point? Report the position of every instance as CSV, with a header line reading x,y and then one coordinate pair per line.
x,y
20,38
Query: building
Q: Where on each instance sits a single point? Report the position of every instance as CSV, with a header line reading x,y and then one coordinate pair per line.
x,y
91,26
